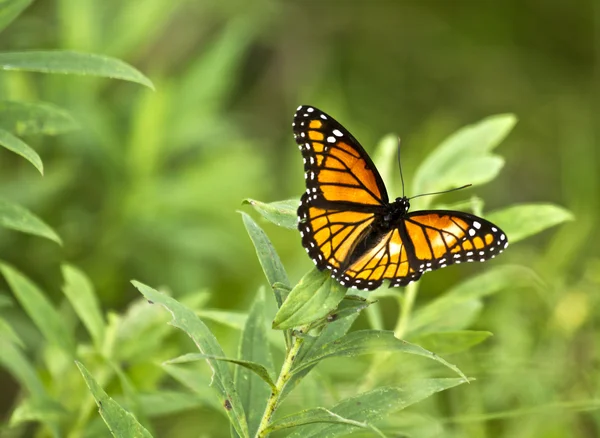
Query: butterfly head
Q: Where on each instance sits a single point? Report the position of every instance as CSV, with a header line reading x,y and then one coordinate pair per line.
x,y
396,211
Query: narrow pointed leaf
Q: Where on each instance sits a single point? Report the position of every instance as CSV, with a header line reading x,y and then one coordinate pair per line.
x,y
17,218
163,403
14,361
254,348
522,221
281,213
318,415
21,148
84,300
11,9
256,368
268,258
120,422
451,342
490,282
367,342
41,311
315,296
27,118
186,320
374,405
44,410
69,62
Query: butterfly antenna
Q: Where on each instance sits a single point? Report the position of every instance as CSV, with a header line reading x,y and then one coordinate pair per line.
x,y
444,191
400,167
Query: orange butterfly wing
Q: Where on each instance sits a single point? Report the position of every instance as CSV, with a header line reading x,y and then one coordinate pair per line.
x,y
342,212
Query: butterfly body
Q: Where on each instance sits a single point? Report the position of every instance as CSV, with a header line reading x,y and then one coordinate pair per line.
x,y
349,226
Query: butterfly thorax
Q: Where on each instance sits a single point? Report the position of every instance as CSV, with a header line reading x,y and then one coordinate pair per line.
x,y
395,212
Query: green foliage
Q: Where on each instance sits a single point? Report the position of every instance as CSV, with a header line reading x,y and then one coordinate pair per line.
x,y
143,184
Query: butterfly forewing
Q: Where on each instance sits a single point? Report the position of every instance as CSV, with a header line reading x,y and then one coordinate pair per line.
x,y
337,167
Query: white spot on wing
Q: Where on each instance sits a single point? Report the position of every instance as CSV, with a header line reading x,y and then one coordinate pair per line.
x,y
337,133
476,224
471,232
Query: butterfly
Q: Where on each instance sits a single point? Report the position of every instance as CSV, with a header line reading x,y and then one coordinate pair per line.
x,y
349,226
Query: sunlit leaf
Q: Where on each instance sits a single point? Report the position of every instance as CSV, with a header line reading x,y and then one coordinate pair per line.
x,y
451,342
281,213
84,300
186,320
120,422
21,148
68,62
373,405
17,218
27,118
367,342
522,221
11,9
465,157
313,298
41,311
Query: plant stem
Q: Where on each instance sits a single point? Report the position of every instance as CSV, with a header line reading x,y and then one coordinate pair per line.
x,y
282,380
406,302
406,309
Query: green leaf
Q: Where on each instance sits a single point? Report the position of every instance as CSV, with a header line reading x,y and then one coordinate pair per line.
x,y
332,331
281,213
451,342
11,9
490,282
21,148
13,360
350,305
68,62
82,297
186,320
164,403
254,349
8,333
256,368
464,157
120,422
317,415
196,382
268,258
27,118
461,316
44,410
17,218
41,311
235,320
366,342
316,295
524,220
373,405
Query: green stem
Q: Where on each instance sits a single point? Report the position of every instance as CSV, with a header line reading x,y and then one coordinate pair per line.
x,y
282,380
406,303
406,309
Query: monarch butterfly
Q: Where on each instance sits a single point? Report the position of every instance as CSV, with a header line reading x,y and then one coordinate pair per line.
x,y
349,226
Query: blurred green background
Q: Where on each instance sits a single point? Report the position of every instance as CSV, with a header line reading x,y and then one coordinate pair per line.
x,y
148,187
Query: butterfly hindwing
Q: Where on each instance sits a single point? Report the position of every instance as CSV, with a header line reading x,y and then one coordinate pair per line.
x,y
441,238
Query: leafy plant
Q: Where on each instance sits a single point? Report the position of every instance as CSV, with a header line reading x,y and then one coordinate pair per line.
x,y
315,318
